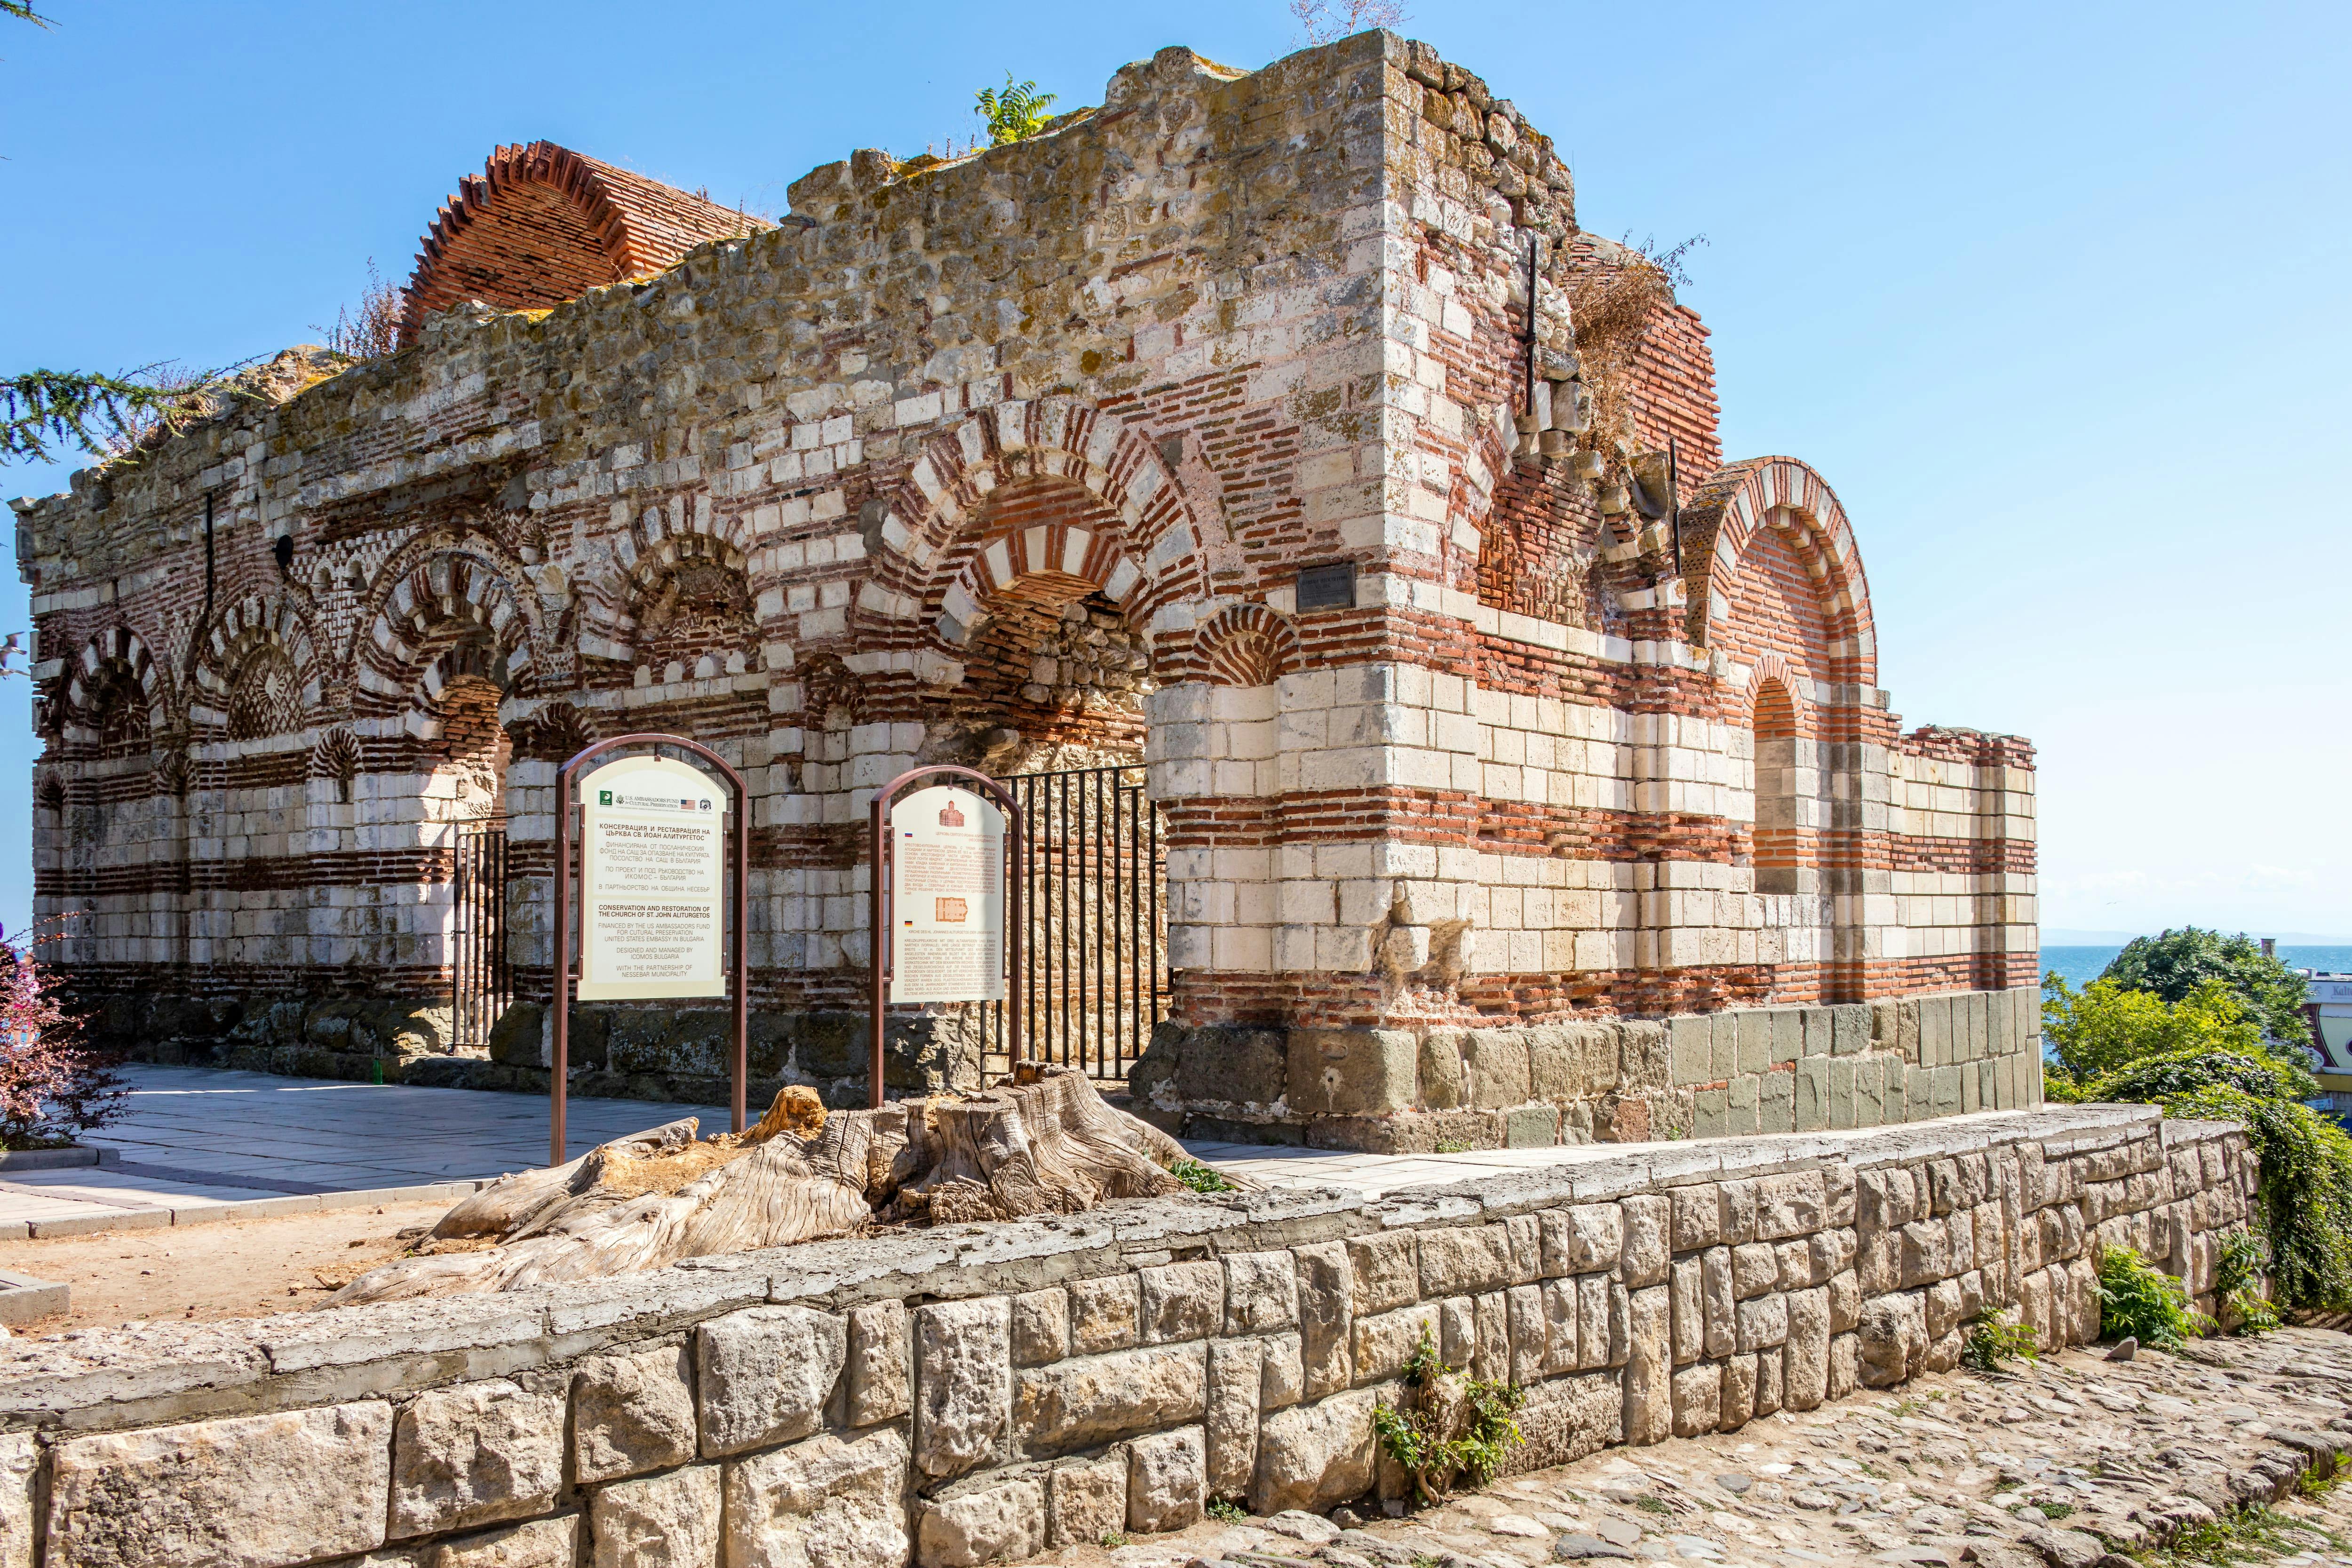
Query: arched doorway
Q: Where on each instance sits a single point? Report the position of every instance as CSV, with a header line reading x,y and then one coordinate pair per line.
x,y
467,795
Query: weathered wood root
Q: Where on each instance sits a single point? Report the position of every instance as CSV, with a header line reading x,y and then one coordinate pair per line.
x,y
1046,1144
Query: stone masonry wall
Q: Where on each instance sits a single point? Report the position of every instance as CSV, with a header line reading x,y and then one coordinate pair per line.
x,y
1717,1075
828,496
977,1393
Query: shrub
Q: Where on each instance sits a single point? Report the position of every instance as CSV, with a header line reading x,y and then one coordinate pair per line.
x,y
2305,1195
2151,1081
1015,114
1992,1342
1450,1426
1201,1178
2138,1299
52,1085
2237,1283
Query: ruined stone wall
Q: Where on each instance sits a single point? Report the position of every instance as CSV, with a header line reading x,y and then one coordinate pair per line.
x,y
861,491
1732,1073
983,1394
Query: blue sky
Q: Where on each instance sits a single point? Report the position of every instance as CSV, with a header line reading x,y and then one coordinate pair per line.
x,y
2053,295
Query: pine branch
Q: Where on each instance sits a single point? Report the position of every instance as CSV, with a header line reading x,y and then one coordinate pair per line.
x,y
23,13
104,415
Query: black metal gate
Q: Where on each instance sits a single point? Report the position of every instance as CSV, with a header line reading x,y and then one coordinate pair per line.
x,y
481,980
1095,947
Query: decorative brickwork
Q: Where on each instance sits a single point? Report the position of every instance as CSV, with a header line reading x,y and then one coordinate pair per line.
x,y
542,223
1016,460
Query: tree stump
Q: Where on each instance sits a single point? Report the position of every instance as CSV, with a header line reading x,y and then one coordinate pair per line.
x,y
1044,1143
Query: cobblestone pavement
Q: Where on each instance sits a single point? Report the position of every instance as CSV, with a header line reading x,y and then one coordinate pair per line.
x,y
2071,1463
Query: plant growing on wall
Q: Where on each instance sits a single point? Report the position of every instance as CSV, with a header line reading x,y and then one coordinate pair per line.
x,y
373,331
52,1085
1449,1426
1321,22
2139,1301
1014,114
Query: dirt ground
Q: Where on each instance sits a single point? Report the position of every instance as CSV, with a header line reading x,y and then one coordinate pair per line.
x,y
255,1268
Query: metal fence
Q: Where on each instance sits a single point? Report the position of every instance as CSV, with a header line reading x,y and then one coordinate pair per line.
x,y
481,979
1093,978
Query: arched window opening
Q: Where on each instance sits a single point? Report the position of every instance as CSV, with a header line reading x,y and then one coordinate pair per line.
x,y
1783,762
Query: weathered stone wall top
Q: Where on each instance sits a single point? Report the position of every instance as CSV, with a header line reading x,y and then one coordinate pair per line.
x,y
104,1379
978,1395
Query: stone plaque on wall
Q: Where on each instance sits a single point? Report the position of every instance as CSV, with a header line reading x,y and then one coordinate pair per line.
x,y
653,836
947,898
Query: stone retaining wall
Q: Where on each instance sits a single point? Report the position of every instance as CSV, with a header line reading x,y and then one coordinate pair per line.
x,y
977,1393
1706,1075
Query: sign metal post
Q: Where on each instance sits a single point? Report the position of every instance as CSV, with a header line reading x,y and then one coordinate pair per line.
x,y
657,847
948,868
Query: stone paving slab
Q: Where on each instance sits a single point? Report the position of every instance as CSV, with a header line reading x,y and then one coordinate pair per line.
x,y
2075,1462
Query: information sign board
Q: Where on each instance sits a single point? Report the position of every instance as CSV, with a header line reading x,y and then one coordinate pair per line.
x,y
652,884
947,897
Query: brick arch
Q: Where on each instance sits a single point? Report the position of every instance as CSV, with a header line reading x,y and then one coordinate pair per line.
x,y
441,595
1246,645
665,539
105,660
1731,511
1141,548
542,223
247,630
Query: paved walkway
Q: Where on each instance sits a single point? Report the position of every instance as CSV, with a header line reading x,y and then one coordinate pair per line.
x,y
199,1137
196,1138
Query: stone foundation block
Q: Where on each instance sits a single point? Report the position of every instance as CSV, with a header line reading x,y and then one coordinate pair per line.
x,y
252,1491
475,1454
631,1414
1385,1342
963,1390
1460,1262
1167,1475
825,1503
1315,1455
1237,1373
990,1521
1086,1501
1182,1301
660,1521
1327,1289
1261,1292
1565,1418
764,1375
1104,1314
879,1384
539,1543
1089,1400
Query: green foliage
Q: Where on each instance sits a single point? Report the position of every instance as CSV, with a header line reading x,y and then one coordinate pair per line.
x,y
2108,1028
2176,965
1014,114
2306,1191
1224,1510
1992,1342
104,415
2151,1081
1452,1146
2139,1300
2238,1275
1113,1540
1201,1178
1452,1426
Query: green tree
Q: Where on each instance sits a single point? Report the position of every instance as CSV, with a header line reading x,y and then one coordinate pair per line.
x,y
1014,114
2104,1026
2175,964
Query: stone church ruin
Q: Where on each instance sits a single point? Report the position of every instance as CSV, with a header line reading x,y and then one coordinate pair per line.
x,y
1435,736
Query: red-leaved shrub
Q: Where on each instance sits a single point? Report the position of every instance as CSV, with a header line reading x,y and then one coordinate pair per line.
x,y
52,1085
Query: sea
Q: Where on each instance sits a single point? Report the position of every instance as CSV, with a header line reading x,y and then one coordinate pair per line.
x,y
2080,965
